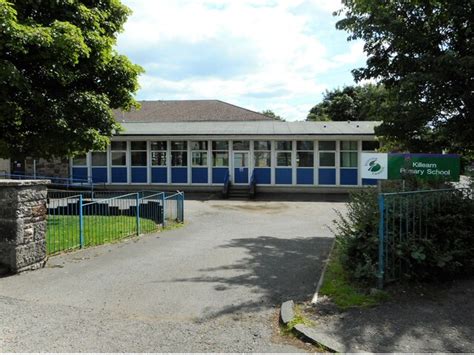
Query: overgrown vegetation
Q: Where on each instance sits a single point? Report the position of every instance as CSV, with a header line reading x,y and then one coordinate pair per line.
x,y
430,236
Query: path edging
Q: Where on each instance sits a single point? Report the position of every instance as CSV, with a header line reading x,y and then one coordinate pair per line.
x,y
287,315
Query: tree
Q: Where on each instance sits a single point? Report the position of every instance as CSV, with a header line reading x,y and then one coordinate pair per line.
x,y
61,77
351,103
271,114
423,53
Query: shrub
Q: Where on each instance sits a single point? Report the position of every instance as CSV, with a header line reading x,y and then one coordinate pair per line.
x,y
437,243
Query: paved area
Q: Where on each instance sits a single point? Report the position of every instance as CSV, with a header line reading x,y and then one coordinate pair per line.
x,y
417,319
213,285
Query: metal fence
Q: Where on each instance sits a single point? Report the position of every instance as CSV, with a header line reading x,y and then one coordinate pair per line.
x,y
77,220
58,181
404,217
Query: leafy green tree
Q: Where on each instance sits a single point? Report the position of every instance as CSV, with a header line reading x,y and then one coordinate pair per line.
x,y
60,76
351,103
423,53
271,114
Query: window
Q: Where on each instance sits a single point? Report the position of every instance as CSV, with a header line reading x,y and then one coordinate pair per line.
x,y
241,145
99,158
138,153
262,154
80,160
179,154
370,145
199,154
159,153
118,153
327,154
283,155
305,154
220,153
348,154
284,145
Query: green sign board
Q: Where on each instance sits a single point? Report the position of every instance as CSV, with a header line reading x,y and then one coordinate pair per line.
x,y
424,166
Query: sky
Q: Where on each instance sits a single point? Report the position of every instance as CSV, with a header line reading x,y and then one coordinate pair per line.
x,y
258,54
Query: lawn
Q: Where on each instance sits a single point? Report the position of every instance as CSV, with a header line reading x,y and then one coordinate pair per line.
x,y
63,231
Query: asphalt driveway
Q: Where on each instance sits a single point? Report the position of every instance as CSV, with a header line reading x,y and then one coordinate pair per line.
x,y
213,285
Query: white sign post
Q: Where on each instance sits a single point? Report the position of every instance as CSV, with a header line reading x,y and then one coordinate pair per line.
x,y
374,166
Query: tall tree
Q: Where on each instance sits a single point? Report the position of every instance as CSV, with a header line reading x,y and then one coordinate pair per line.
x,y
61,76
271,114
351,103
423,52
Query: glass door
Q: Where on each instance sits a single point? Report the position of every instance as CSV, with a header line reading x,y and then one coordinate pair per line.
x,y
241,167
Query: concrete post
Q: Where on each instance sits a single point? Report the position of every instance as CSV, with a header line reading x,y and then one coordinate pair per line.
x,y
23,221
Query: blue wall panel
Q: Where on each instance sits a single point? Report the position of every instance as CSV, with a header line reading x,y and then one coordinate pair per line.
x,y
241,175
348,176
369,181
199,175
139,175
263,175
179,175
218,175
119,175
283,176
79,173
327,176
159,175
304,176
99,175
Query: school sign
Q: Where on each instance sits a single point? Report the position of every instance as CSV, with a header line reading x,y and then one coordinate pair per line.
x,y
395,166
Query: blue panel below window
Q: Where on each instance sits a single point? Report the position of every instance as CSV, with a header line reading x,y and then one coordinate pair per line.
x,y
327,176
241,175
179,175
304,176
218,175
283,176
159,175
369,181
139,175
263,175
119,175
79,173
348,176
199,175
99,175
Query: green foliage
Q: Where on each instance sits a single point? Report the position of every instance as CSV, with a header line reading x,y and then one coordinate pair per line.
x,y
271,114
437,230
423,53
339,287
61,76
351,103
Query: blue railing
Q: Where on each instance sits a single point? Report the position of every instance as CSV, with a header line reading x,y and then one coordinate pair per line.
x,y
225,190
68,182
80,220
253,185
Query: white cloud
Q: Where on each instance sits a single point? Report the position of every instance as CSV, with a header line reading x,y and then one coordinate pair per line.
x,y
279,66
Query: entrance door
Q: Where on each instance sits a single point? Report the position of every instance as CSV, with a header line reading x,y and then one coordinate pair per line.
x,y
241,167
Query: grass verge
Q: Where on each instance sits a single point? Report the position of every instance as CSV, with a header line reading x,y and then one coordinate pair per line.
x,y
342,291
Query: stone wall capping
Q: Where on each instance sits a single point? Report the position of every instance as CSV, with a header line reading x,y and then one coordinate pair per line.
x,y
12,182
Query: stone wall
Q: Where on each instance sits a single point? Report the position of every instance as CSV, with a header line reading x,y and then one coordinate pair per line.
x,y
23,222
57,167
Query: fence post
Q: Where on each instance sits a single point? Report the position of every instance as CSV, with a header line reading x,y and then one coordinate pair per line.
x,y
81,223
380,276
138,212
163,198
182,207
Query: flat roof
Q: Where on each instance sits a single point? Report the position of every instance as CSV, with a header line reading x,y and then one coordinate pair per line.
x,y
248,128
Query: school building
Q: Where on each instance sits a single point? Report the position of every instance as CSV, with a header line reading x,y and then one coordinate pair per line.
x,y
197,145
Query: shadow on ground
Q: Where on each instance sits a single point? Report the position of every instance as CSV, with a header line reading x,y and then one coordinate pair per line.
x,y
434,319
275,269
